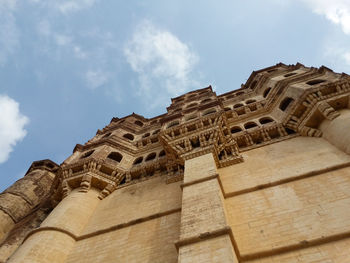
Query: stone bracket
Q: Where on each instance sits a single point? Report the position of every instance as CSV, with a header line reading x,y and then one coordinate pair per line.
x,y
328,111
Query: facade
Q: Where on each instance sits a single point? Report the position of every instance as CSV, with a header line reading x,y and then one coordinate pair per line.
x,y
258,174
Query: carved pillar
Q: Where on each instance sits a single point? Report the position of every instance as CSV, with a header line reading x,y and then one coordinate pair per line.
x,y
337,130
204,235
54,239
18,201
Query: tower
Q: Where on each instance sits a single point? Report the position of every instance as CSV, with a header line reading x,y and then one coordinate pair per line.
x,y
258,174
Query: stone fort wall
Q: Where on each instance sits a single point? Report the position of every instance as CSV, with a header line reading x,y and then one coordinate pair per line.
x,y
258,174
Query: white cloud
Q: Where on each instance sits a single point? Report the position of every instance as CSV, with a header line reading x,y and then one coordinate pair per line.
x,y
62,40
44,28
96,78
79,53
337,11
338,55
71,6
9,33
347,57
12,123
161,60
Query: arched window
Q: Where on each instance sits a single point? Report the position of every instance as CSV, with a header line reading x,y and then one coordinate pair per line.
x,y
252,86
138,160
161,154
192,105
209,112
129,136
191,117
138,123
115,156
87,154
266,120
250,125
285,103
238,105
150,157
174,123
250,101
289,74
107,135
315,81
236,129
156,131
146,135
266,92
205,101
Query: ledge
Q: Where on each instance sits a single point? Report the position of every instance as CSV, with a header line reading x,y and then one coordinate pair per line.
x,y
130,223
50,228
102,231
207,178
203,236
294,247
286,180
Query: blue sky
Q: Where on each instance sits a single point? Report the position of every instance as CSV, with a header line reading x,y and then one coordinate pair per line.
x,y
68,67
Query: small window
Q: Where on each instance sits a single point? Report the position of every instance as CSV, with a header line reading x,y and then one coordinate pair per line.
x,y
209,112
191,117
192,105
138,123
87,154
239,93
161,154
238,105
129,136
156,131
289,74
115,156
150,157
236,129
107,135
138,160
252,86
266,92
205,101
154,122
227,109
266,120
285,103
250,125
250,101
146,135
173,124
315,82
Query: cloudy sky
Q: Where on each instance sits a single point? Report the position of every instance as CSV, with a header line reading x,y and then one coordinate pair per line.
x,y
67,67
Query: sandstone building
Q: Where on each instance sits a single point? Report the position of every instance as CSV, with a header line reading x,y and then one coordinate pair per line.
x,y
258,174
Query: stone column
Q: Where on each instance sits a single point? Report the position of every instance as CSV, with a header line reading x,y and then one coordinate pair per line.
x,y
18,201
204,234
55,238
337,130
